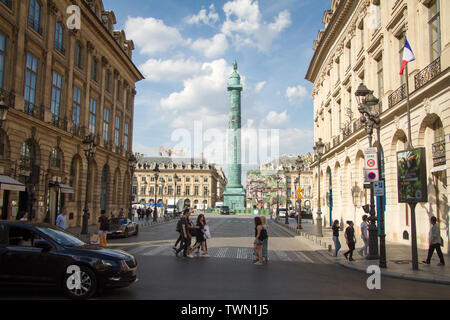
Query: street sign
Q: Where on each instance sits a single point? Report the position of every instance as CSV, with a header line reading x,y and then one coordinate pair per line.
x,y
378,188
299,190
370,159
299,196
371,175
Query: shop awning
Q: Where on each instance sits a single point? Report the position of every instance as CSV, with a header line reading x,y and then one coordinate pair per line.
x,y
66,188
8,183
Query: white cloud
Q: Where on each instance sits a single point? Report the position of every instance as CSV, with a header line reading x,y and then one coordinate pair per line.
x,y
245,26
259,86
211,48
152,35
295,94
157,70
274,119
209,18
207,90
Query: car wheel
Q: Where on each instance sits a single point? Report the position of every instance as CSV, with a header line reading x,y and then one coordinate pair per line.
x,y
86,288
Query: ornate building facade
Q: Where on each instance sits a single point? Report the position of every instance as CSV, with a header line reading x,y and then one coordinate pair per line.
x,y
362,42
197,183
262,186
64,76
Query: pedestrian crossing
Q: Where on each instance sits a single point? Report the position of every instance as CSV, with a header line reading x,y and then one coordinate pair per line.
x,y
239,253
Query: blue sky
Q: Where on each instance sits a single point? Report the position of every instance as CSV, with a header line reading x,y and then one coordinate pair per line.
x,y
185,49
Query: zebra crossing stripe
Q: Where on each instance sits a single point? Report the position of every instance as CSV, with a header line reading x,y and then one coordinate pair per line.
x,y
138,250
154,251
303,257
282,256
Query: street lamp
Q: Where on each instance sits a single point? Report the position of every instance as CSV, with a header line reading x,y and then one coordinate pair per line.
x,y
89,148
156,172
132,161
370,116
300,165
318,151
175,177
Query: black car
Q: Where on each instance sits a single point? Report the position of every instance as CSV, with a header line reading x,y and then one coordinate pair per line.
x,y
43,254
225,210
122,228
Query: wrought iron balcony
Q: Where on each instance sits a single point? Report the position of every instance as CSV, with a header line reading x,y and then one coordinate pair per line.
x,y
397,96
34,110
428,73
438,153
7,97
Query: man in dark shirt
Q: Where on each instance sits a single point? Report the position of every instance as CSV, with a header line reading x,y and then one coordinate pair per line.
x,y
185,233
351,240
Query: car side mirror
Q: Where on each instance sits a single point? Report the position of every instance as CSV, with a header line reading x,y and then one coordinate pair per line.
x,y
43,244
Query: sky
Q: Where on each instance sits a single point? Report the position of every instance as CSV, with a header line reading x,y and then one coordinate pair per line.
x,y
186,49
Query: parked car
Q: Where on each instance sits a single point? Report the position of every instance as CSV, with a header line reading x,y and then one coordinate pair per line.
x,y
225,210
293,214
122,228
306,215
43,254
282,212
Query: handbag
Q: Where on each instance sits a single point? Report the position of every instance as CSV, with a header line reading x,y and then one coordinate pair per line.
x,y
207,234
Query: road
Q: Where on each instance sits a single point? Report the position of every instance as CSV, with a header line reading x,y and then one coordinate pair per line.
x,y
295,271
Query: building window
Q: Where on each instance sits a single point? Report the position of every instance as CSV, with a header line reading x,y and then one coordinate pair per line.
x,y
196,179
187,191
361,34
380,77
178,190
55,160
128,100
78,52
105,125
152,190
59,37
188,179
27,155
338,70
76,107
349,53
125,137
205,179
205,191
94,69
6,3
92,115
196,191
117,131
30,83
34,16
118,90
438,131
56,96
434,24
2,57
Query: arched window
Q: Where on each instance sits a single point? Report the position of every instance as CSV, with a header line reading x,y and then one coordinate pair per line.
x,y
59,37
27,155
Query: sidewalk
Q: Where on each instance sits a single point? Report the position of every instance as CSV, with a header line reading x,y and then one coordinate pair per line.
x,y
398,256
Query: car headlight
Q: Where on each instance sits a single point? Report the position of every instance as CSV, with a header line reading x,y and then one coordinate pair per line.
x,y
106,264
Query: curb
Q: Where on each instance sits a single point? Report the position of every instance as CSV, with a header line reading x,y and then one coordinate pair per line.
x,y
329,247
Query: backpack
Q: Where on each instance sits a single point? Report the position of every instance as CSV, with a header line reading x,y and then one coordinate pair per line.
x,y
179,225
263,235
105,224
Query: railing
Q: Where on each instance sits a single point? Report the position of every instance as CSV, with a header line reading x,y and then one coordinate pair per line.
x,y
7,97
34,110
336,141
428,73
438,153
397,96
59,122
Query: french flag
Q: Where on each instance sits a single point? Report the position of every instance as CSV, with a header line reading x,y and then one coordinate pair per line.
x,y
408,55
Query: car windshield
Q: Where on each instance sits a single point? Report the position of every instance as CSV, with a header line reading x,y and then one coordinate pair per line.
x,y
122,221
62,237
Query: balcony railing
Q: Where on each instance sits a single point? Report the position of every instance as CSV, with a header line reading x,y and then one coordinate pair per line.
x,y
397,96
438,153
7,97
34,110
428,73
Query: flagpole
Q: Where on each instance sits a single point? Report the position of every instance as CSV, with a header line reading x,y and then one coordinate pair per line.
x,y
412,203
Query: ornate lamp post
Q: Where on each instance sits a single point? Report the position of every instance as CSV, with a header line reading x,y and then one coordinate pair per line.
x,y
156,172
318,151
370,117
175,177
89,147
300,166
132,161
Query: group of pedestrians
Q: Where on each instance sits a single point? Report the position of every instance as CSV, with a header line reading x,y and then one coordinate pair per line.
x,y
435,240
187,231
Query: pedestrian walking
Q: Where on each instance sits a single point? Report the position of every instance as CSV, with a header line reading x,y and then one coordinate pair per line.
x,y
185,234
200,236
435,240
103,228
61,219
337,243
121,214
364,236
180,236
155,215
351,240
139,214
260,235
265,244
148,212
